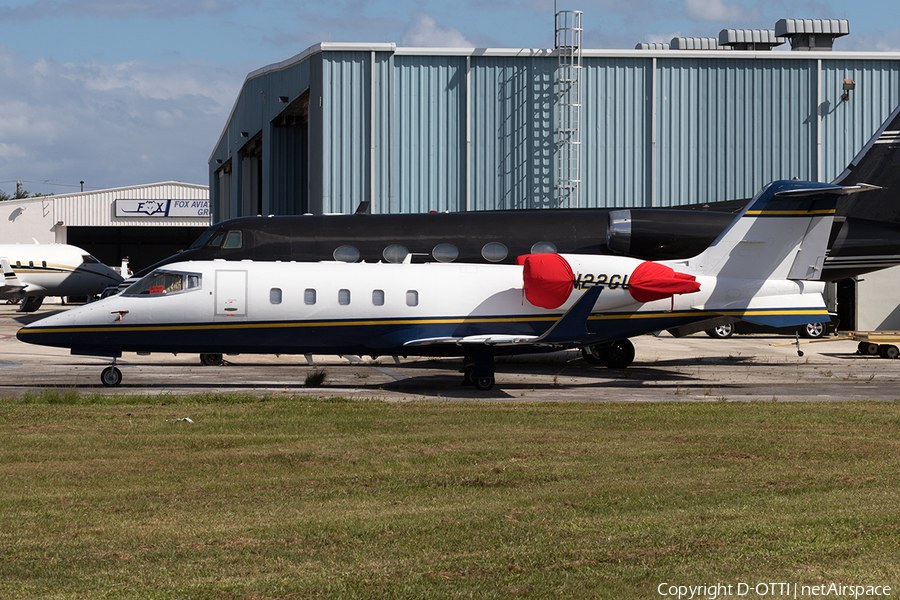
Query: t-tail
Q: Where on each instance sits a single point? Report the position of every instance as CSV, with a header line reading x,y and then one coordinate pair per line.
x,y
782,233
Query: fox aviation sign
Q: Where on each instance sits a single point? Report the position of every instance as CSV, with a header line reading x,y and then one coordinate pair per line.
x,y
162,208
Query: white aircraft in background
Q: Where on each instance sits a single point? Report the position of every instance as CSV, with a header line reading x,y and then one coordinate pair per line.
x,y
34,271
763,268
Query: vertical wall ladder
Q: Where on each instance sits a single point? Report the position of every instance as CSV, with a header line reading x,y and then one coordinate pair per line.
x,y
568,109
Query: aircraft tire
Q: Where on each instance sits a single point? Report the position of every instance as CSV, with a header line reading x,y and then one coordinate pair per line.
x,y
721,332
211,360
111,377
813,330
591,355
618,355
483,383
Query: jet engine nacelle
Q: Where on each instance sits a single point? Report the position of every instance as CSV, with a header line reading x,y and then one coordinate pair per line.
x,y
663,234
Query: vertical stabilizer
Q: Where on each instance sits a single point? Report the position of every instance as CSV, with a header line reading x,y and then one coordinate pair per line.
x,y
781,234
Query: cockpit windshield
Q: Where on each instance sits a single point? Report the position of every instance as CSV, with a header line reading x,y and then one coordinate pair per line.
x,y
204,237
164,283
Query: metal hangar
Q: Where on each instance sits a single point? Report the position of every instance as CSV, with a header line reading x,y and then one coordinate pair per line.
x,y
432,129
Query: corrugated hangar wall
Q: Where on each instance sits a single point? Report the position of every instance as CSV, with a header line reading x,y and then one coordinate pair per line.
x,y
414,130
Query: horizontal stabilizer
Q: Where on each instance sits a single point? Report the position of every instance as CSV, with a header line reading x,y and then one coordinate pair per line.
x,y
782,234
838,190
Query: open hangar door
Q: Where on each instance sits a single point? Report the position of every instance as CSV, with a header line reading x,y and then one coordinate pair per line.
x,y
143,246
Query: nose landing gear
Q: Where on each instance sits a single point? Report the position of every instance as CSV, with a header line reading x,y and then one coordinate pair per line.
x,y
111,376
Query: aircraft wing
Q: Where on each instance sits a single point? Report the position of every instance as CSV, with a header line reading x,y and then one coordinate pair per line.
x,y
498,339
570,328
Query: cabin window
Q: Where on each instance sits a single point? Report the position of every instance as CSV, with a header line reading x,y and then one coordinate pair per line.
x,y
275,295
543,248
395,253
217,240
19,264
30,264
347,254
234,239
378,297
445,253
412,298
44,263
309,296
343,297
161,283
494,252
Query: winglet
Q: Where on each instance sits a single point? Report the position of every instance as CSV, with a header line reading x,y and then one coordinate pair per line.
x,y
9,276
572,326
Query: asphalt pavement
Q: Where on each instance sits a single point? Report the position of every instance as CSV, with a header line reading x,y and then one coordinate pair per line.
x,y
666,369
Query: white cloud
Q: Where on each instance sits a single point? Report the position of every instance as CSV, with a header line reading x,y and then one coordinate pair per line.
x,y
425,32
119,9
661,38
97,122
714,11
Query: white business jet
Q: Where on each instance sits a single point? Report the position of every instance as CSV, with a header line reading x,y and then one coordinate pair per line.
x,y
763,268
34,271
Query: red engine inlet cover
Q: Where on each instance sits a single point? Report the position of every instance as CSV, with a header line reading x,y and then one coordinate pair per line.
x,y
653,281
549,279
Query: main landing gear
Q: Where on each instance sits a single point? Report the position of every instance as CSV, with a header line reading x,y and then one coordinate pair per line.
x,y
211,360
615,355
478,371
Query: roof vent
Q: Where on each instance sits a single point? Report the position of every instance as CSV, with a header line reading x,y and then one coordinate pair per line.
x,y
652,46
683,43
750,39
812,34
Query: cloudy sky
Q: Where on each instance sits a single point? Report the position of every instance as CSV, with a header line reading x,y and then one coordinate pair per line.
x,y
126,92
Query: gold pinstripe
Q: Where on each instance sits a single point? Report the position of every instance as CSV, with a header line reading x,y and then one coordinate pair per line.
x,y
788,213
457,321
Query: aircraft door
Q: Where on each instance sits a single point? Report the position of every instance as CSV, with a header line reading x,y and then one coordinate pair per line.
x,y
231,294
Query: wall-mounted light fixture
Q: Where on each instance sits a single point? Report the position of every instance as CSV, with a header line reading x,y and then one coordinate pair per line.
x,y
218,161
59,223
849,84
283,99
245,134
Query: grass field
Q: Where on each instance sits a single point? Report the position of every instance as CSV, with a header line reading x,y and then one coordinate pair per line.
x,y
302,498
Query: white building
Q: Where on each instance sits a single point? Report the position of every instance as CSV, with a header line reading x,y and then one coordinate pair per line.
x,y
145,223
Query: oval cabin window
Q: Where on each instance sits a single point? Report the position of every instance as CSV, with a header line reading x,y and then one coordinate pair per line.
x,y
543,248
347,254
445,253
395,253
494,252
